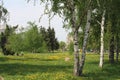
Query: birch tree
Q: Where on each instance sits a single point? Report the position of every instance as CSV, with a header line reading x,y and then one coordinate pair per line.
x,y
87,28
102,8
78,63
108,6
74,12
102,39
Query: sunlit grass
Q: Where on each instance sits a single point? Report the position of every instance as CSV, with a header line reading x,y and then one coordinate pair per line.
x,y
52,66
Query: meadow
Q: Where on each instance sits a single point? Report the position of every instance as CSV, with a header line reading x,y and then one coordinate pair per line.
x,y
52,66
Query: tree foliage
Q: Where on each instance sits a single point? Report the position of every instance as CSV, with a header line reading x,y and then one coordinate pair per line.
x,y
4,14
33,39
5,40
62,46
50,39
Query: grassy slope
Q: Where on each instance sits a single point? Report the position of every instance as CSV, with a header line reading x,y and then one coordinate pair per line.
x,y
53,67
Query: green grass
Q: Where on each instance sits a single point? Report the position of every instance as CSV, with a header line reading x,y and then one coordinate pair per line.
x,y
53,67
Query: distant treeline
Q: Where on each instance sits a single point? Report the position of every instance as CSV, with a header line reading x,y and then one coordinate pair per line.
x,y
35,39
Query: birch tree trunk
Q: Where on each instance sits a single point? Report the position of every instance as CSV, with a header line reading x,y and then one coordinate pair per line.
x,y
82,60
102,40
75,36
76,54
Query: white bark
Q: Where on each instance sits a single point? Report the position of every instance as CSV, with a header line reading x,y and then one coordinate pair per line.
x,y
102,40
75,36
85,41
76,54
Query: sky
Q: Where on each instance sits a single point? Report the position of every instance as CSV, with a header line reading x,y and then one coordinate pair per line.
x,y
21,12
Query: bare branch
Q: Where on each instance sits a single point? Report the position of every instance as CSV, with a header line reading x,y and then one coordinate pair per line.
x,y
98,22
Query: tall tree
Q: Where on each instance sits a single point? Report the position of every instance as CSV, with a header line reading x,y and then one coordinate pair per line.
x,y
101,10
102,39
52,42
113,17
4,40
34,41
117,38
57,45
74,12
49,38
102,7
85,40
16,42
117,28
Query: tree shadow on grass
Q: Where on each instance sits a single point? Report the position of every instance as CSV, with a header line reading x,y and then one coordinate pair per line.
x,y
108,72
24,69
2,59
16,67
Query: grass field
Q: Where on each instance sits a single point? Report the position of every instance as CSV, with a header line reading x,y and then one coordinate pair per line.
x,y
54,67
